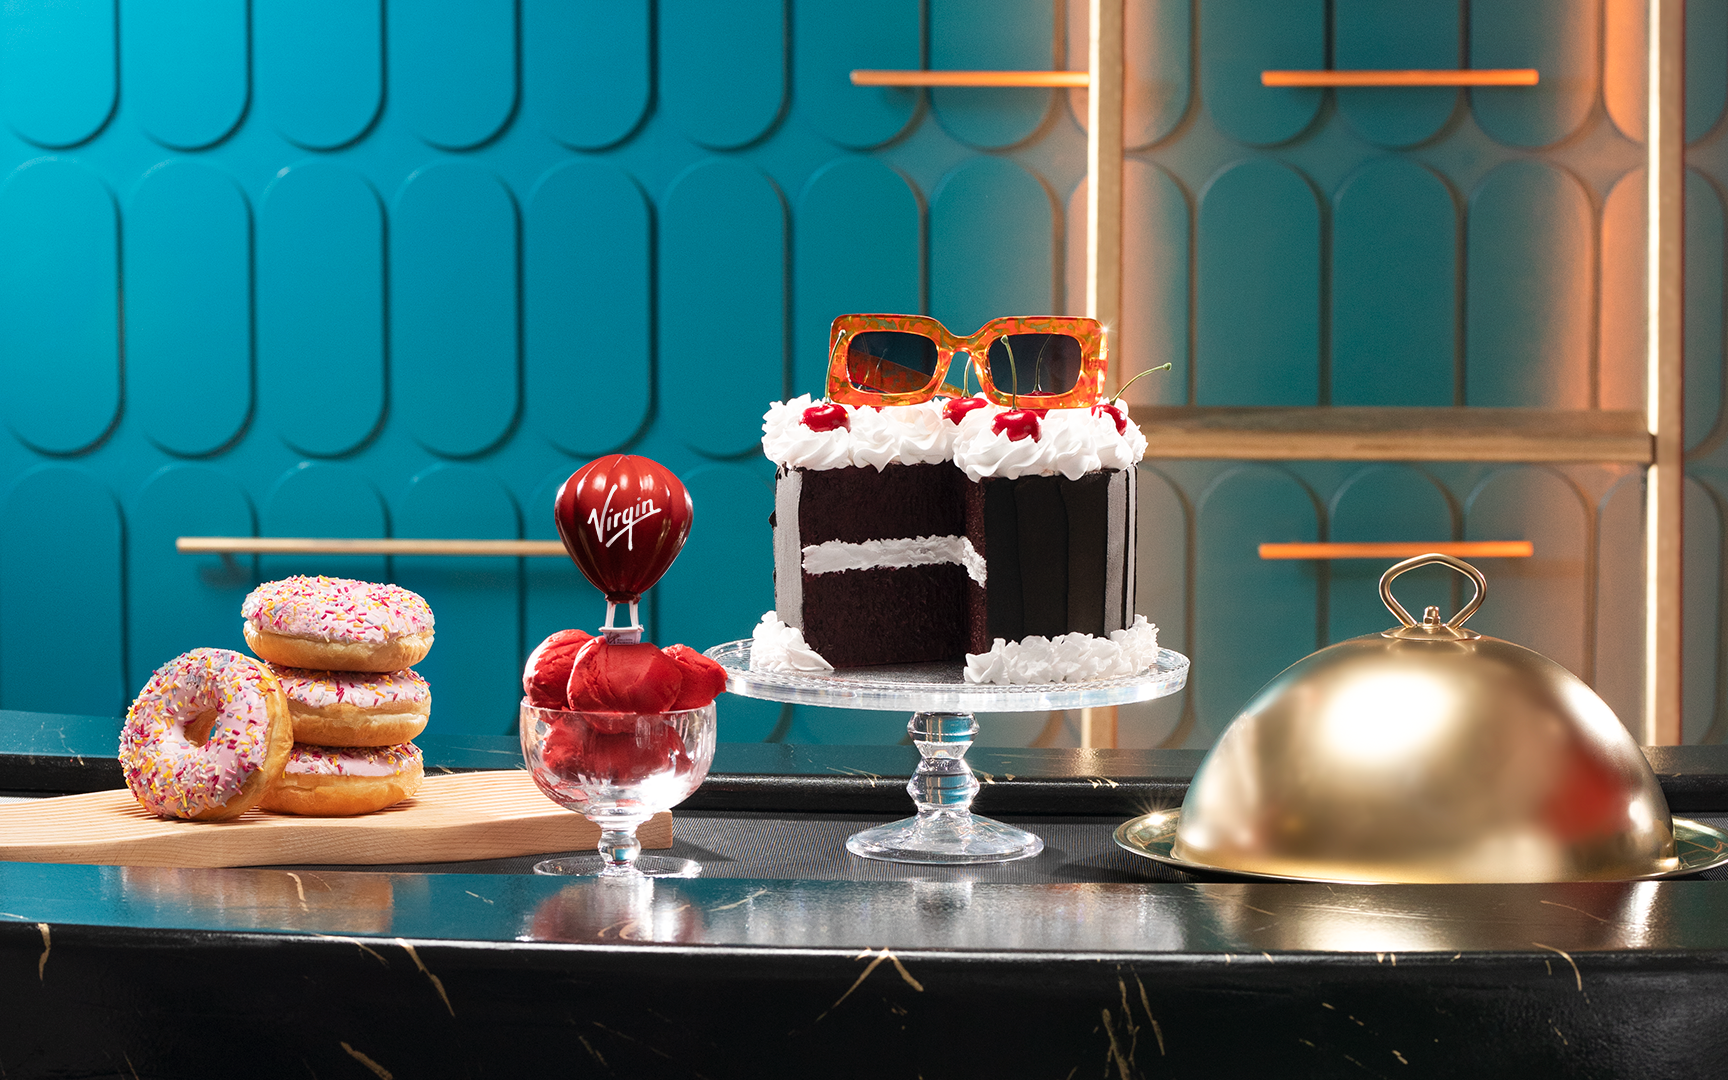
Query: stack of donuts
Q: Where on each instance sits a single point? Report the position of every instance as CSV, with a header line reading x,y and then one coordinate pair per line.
x,y
321,727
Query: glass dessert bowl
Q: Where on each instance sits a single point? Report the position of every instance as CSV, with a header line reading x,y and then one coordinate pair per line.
x,y
618,770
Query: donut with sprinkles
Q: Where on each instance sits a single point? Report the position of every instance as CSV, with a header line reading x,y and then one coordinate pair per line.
x,y
336,781
355,708
335,624
206,737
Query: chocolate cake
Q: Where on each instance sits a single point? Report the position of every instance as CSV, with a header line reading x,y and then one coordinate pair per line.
x,y
902,540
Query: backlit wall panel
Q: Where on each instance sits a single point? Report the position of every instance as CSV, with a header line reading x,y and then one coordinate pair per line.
x,y
369,270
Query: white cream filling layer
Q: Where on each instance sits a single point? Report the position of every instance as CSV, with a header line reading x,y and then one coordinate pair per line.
x,y
837,555
1068,658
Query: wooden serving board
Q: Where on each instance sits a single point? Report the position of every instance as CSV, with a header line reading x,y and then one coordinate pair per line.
x,y
454,818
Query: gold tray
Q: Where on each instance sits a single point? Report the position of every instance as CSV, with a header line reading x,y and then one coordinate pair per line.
x,y
1700,847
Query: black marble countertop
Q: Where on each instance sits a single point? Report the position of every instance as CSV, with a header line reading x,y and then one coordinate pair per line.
x,y
789,955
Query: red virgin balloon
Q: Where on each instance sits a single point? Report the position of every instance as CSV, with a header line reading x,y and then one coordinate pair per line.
x,y
623,519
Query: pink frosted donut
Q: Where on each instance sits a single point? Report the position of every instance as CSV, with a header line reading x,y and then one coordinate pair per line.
x,y
355,708
335,624
335,781
207,735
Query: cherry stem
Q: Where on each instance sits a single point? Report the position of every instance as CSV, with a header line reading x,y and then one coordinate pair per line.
x,y
1123,389
1013,373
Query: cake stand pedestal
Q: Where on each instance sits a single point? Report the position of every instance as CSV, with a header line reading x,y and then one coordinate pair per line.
x,y
942,703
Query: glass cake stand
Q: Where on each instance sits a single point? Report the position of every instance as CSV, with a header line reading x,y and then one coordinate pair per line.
x,y
944,831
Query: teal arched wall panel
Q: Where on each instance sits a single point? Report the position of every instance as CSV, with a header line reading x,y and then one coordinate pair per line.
x,y
588,323
829,41
187,68
1620,599
991,35
57,70
60,582
1537,602
717,592
320,68
319,499
1153,328
1253,617
1706,252
1560,39
1157,44
1241,38
1257,284
856,248
587,69
558,596
1394,287
722,305
1163,560
189,307
321,308
1530,268
716,97
992,245
454,351
176,602
1393,35
1386,504
474,666
659,379
59,306
1701,637
1706,65
453,69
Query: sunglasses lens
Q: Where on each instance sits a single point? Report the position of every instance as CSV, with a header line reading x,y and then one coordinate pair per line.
x,y
1035,364
890,361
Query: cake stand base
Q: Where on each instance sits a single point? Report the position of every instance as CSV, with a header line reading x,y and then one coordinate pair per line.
x,y
945,832
945,838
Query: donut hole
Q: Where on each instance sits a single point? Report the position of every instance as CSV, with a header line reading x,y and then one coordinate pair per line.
x,y
198,729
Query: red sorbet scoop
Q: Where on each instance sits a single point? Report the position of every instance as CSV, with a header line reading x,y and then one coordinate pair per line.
x,y
546,676
620,678
704,679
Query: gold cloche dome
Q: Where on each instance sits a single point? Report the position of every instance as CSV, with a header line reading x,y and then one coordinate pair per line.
x,y
1427,753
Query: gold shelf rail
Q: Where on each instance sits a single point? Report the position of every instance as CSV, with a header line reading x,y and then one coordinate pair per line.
x,y
1414,77
871,77
304,545
1463,549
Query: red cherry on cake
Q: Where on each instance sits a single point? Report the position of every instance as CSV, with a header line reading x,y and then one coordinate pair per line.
x,y
957,409
703,678
1018,424
828,416
617,678
546,676
1114,411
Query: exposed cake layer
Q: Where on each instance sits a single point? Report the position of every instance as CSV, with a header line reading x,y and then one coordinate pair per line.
x,y
895,615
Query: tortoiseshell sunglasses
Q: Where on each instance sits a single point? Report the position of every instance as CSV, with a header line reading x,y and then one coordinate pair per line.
x,y
1035,362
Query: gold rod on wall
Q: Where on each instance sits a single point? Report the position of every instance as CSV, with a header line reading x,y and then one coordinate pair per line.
x,y
1446,77
300,545
1465,549
1104,110
1664,486
865,77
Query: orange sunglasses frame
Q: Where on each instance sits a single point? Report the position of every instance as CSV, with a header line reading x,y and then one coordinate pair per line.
x,y
1088,388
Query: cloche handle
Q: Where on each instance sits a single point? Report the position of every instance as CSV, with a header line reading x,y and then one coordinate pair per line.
x,y
1456,621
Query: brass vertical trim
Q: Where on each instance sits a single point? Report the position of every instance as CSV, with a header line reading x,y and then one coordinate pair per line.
x,y
1104,230
1104,173
1664,403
